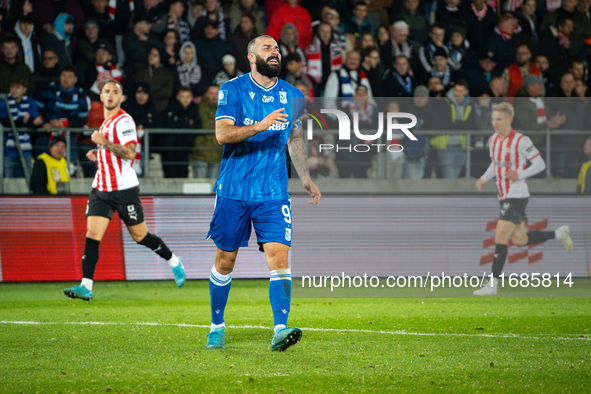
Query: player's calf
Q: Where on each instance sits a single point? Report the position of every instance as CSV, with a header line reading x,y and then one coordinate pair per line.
x,y
157,245
499,258
562,234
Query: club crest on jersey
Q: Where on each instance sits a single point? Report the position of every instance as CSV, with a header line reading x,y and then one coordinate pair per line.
x,y
283,97
251,95
268,99
222,97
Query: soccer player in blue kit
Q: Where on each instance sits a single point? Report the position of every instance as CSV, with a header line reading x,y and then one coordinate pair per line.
x,y
258,116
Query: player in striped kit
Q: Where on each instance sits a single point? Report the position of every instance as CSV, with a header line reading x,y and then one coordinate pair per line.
x,y
510,151
116,188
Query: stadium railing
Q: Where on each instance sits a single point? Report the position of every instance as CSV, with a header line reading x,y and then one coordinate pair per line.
x,y
382,159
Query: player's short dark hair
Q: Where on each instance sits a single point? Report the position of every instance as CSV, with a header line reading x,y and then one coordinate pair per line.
x,y
252,44
462,82
69,68
292,57
185,89
17,80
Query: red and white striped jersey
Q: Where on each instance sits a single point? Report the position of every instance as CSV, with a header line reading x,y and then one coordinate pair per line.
x,y
115,173
513,152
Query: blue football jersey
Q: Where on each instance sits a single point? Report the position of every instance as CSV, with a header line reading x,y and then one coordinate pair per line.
x,y
256,169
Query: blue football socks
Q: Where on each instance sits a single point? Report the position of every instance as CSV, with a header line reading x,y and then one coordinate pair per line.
x,y
280,296
219,289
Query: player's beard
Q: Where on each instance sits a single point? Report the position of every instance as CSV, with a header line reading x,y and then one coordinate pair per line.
x,y
266,69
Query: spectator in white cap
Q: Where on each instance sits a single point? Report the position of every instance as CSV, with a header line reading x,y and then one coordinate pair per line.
x,y
229,70
398,44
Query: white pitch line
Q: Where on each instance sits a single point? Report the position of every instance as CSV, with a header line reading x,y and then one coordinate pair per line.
x,y
578,337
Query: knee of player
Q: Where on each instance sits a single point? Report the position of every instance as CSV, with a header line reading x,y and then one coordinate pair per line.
x,y
502,239
520,241
225,265
90,233
280,259
138,237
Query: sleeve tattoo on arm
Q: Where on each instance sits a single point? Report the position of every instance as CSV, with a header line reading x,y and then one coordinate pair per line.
x,y
297,149
124,152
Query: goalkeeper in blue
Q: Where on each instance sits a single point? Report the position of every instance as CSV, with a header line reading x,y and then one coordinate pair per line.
x,y
258,117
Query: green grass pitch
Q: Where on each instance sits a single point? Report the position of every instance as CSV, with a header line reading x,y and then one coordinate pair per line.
x,y
350,345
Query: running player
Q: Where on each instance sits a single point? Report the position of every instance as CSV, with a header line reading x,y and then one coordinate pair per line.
x,y
509,152
116,188
258,115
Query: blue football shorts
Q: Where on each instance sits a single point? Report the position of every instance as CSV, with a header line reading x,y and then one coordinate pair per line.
x,y
233,221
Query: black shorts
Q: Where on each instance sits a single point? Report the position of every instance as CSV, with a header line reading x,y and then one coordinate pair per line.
x,y
126,202
513,210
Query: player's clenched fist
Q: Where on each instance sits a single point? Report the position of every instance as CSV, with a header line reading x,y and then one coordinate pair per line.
x,y
480,184
98,138
511,175
92,155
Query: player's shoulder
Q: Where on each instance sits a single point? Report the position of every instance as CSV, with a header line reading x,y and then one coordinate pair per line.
x,y
125,120
294,92
235,83
523,139
124,116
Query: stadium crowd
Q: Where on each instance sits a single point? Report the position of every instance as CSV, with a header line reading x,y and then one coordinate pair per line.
x,y
171,56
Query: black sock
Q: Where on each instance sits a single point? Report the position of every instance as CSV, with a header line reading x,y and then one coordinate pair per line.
x,y
90,258
157,245
499,259
537,237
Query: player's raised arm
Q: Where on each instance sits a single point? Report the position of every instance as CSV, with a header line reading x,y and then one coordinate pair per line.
x,y
125,152
226,132
297,151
